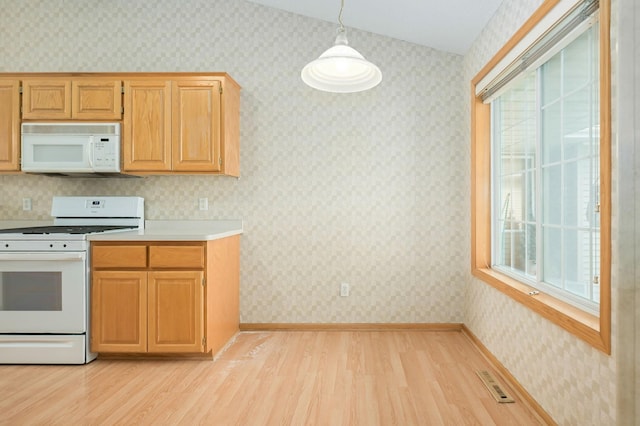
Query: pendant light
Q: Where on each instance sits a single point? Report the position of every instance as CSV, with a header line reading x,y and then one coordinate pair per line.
x,y
341,68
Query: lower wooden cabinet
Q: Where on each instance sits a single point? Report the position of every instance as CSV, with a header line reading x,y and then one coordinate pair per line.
x,y
159,311
175,312
164,297
118,311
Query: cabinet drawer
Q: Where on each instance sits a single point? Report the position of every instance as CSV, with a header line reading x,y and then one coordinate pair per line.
x,y
176,256
129,256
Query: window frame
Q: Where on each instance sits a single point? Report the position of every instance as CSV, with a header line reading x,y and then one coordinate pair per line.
x,y
595,330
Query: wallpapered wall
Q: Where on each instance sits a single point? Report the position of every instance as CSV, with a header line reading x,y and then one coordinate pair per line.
x,y
575,383
367,188
627,249
370,188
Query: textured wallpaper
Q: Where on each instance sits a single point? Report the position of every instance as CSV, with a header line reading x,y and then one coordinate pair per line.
x,y
575,383
368,188
627,226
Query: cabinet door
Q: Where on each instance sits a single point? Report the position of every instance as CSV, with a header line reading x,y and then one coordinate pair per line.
x,y
9,125
96,99
147,126
196,126
119,311
46,99
176,312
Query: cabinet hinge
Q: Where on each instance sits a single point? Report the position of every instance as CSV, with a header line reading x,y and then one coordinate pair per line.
x,y
597,208
220,161
204,341
204,282
220,90
121,110
20,89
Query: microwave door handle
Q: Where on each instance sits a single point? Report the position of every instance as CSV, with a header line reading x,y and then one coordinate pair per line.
x,y
90,149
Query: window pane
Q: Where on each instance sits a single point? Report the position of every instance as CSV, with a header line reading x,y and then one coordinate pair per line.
x,y
571,194
514,124
552,248
552,187
576,123
579,202
519,247
530,203
551,134
577,261
531,250
551,79
577,63
571,255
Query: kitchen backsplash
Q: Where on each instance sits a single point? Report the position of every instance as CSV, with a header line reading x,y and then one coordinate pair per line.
x,y
369,189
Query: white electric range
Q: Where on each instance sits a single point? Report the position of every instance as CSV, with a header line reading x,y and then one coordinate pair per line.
x,y
44,279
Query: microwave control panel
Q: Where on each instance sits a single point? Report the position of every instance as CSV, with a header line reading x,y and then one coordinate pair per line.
x,y
106,153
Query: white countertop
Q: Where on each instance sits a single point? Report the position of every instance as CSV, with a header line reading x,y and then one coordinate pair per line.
x,y
176,230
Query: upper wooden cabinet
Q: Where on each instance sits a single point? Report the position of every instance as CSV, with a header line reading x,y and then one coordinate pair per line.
x,y
196,129
187,124
96,99
9,125
172,123
82,99
146,144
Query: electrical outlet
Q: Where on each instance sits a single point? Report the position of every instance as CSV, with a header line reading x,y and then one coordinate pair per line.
x,y
26,204
203,203
345,289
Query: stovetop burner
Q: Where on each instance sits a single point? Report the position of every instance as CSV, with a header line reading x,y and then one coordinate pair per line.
x,y
66,229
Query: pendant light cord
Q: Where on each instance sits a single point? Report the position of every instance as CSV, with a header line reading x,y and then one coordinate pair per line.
x,y
340,16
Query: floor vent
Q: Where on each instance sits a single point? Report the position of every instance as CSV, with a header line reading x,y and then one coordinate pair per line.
x,y
494,387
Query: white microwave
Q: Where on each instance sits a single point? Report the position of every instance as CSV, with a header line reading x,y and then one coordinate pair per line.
x,y
71,147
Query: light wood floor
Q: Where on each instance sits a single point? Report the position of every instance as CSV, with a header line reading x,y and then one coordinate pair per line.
x,y
274,378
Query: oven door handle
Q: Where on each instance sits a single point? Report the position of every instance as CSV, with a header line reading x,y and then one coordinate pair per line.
x,y
28,257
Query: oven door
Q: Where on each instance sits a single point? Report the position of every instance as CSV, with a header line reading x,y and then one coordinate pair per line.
x,y
43,292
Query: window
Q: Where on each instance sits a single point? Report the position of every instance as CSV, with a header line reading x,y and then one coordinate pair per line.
x,y
541,169
545,175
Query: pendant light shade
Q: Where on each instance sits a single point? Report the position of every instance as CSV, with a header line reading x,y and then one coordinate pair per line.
x,y
341,68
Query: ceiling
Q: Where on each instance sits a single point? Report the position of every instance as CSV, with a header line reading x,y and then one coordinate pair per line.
x,y
450,25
